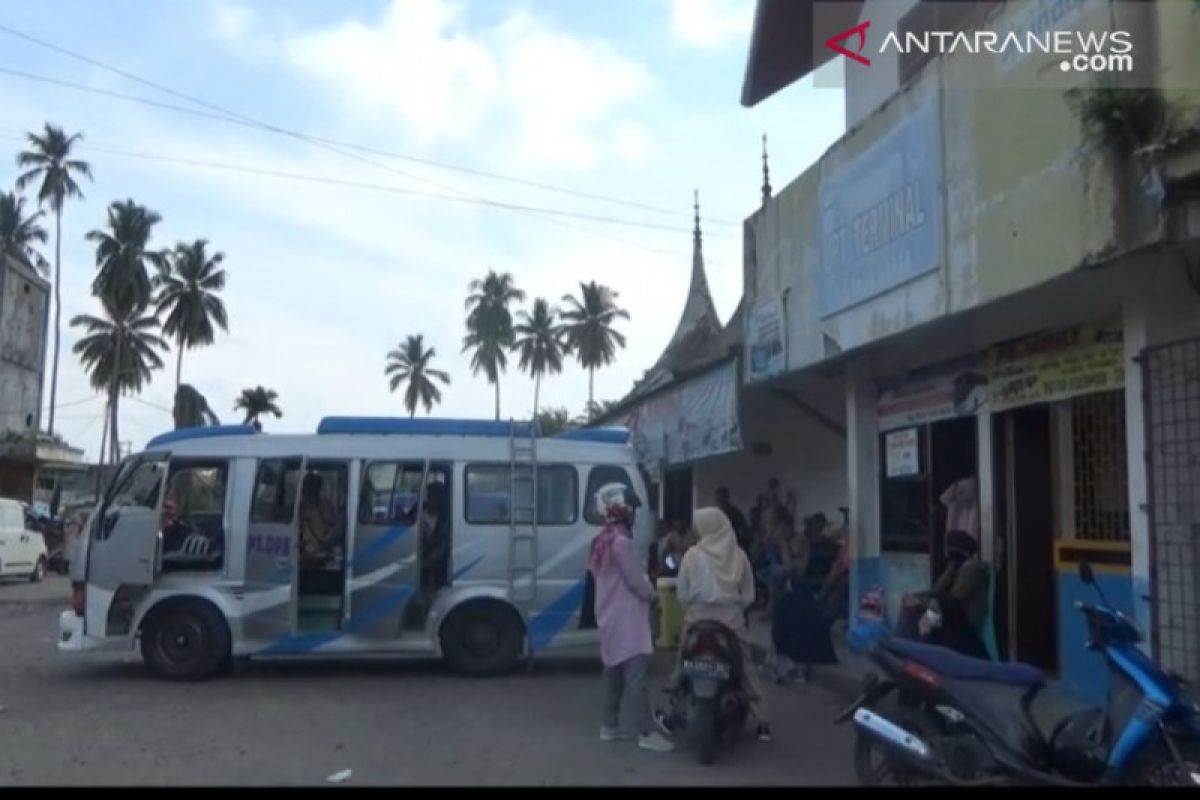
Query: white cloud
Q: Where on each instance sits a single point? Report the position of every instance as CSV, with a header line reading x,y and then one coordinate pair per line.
x,y
710,23
232,21
551,97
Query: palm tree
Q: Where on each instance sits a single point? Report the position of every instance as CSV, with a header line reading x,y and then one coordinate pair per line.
x,y
409,363
490,326
589,329
192,409
598,408
553,421
119,352
49,160
187,292
124,257
539,342
256,402
20,233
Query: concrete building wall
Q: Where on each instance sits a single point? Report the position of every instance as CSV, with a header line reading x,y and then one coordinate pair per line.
x,y
23,304
805,454
866,91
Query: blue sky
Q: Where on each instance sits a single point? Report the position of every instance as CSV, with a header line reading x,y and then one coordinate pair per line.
x,y
635,99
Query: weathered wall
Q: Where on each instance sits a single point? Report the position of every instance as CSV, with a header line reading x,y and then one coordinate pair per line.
x,y
23,300
1026,194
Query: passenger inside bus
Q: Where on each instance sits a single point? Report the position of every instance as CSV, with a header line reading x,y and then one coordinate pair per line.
x,y
321,537
192,519
435,538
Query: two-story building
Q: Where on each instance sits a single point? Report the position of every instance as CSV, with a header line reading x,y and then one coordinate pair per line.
x,y
998,269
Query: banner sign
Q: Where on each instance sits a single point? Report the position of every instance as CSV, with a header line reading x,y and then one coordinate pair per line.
x,y
766,341
903,454
946,391
695,420
1083,359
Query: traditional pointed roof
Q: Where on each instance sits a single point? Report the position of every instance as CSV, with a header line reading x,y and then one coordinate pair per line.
x,y
700,339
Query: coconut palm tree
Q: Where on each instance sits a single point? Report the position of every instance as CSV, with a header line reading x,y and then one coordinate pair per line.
x,y
553,421
490,326
256,402
596,409
539,343
49,162
187,293
123,255
589,329
21,233
409,363
119,351
192,409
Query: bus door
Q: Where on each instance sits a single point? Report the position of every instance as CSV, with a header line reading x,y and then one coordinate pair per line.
x,y
272,550
385,565
125,552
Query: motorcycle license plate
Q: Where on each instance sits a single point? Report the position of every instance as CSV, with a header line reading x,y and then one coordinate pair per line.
x,y
706,669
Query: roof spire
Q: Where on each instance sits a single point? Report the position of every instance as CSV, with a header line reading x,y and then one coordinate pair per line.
x,y
766,187
697,234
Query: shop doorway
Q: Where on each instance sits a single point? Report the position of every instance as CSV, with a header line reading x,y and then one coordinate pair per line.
x,y
1026,622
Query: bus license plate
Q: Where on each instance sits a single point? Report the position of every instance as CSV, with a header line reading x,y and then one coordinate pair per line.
x,y
706,669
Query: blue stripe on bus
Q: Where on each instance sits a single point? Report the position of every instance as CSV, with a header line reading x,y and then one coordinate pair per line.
x,y
550,621
467,568
380,545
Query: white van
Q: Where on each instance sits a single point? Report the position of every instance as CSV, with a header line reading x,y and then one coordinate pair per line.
x,y
22,551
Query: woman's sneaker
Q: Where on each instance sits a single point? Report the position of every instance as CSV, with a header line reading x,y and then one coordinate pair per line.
x,y
656,742
663,722
608,734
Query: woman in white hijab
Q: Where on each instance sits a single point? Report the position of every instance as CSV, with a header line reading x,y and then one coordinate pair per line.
x,y
716,583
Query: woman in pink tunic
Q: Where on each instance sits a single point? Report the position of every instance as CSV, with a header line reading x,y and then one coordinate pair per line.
x,y
623,594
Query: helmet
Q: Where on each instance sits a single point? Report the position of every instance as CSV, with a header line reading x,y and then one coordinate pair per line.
x,y
616,502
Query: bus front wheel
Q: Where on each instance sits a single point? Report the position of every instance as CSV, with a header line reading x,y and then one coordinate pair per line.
x,y
185,641
483,638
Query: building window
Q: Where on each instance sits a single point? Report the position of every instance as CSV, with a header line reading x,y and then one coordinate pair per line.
x,y
488,497
1101,490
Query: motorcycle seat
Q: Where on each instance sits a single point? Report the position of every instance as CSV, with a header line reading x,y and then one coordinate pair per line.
x,y
959,667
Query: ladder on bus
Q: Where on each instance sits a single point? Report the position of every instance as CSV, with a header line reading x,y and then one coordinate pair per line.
x,y
522,518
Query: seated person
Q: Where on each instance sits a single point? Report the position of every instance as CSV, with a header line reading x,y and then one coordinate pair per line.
x,y
318,526
951,614
435,538
183,544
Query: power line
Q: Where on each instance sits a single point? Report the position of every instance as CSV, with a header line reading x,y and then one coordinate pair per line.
x,y
227,114
327,180
536,212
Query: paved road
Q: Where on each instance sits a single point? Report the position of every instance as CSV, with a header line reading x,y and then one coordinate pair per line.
x,y
68,721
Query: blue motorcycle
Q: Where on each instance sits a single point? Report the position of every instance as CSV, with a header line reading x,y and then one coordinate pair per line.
x,y
963,721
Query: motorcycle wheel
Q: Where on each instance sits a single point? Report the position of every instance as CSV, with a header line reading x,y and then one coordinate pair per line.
x,y
704,730
875,766
1158,768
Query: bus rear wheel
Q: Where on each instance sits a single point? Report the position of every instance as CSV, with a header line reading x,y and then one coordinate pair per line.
x,y
185,641
483,639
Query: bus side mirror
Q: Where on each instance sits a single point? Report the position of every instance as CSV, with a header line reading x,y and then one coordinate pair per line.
x,y
1085,573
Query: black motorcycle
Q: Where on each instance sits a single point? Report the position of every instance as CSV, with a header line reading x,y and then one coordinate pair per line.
x,y
707,701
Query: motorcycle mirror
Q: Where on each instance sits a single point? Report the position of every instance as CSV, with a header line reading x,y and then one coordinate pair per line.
x,y
1085,573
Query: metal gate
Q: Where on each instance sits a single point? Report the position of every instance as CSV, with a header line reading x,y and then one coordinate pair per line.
x,y
1171,375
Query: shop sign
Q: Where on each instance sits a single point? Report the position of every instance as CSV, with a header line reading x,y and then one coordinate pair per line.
x,y
1054,366
766,341
881,214
946,391
903,454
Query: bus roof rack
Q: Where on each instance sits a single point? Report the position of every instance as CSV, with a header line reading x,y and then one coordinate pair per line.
x,y
597,435
205,432
402,426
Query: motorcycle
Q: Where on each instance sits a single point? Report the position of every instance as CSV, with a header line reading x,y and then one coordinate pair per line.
x,y
969,722
706,700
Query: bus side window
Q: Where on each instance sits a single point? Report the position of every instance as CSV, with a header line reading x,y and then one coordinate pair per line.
x,y
602,476
193,517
